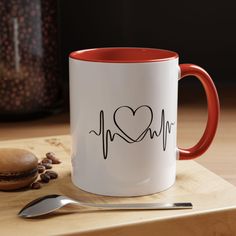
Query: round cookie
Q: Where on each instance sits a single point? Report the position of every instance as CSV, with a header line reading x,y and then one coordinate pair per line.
x,y
18,168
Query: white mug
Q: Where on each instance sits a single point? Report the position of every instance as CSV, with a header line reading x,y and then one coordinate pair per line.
x,y
123,107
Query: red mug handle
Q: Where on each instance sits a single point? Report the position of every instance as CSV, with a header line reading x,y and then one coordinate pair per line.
x,y
213,111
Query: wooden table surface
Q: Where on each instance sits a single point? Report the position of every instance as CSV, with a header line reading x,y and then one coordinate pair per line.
x,y
220,158
213,199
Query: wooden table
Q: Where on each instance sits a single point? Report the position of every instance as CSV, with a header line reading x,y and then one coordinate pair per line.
x,y
214,198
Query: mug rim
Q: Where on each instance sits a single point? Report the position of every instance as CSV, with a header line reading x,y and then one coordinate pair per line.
x,y
123,55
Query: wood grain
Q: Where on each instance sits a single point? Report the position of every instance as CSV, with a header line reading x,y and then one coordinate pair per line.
x,y
213,198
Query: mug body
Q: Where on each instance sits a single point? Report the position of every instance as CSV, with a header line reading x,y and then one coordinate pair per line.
x,y
123,111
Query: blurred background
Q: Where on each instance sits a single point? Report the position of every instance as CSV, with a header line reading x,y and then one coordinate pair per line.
x,y
202,32
37,36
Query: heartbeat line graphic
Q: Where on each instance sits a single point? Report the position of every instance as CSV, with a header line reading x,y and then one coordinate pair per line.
x,y
107,136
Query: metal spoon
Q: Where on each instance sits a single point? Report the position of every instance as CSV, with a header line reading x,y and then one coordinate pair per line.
x,y
49,203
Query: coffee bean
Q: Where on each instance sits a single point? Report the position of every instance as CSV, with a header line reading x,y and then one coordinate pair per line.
x,y
41,168
52,156
46,160
45,178
52,174
56,161
36,185
47,165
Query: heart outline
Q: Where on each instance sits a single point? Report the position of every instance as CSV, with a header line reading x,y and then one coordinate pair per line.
x,y
133,112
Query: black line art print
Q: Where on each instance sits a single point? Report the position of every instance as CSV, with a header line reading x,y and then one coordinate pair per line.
x,y
107,136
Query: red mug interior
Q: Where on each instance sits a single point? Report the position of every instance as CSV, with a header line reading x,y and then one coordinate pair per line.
x,y
123,55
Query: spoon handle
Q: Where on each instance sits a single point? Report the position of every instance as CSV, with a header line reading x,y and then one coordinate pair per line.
x,y
140,206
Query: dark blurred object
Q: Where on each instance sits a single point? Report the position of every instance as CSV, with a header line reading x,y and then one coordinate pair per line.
x,y
29,58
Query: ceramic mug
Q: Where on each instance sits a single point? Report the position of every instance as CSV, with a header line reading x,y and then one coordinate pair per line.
x,y
123,107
